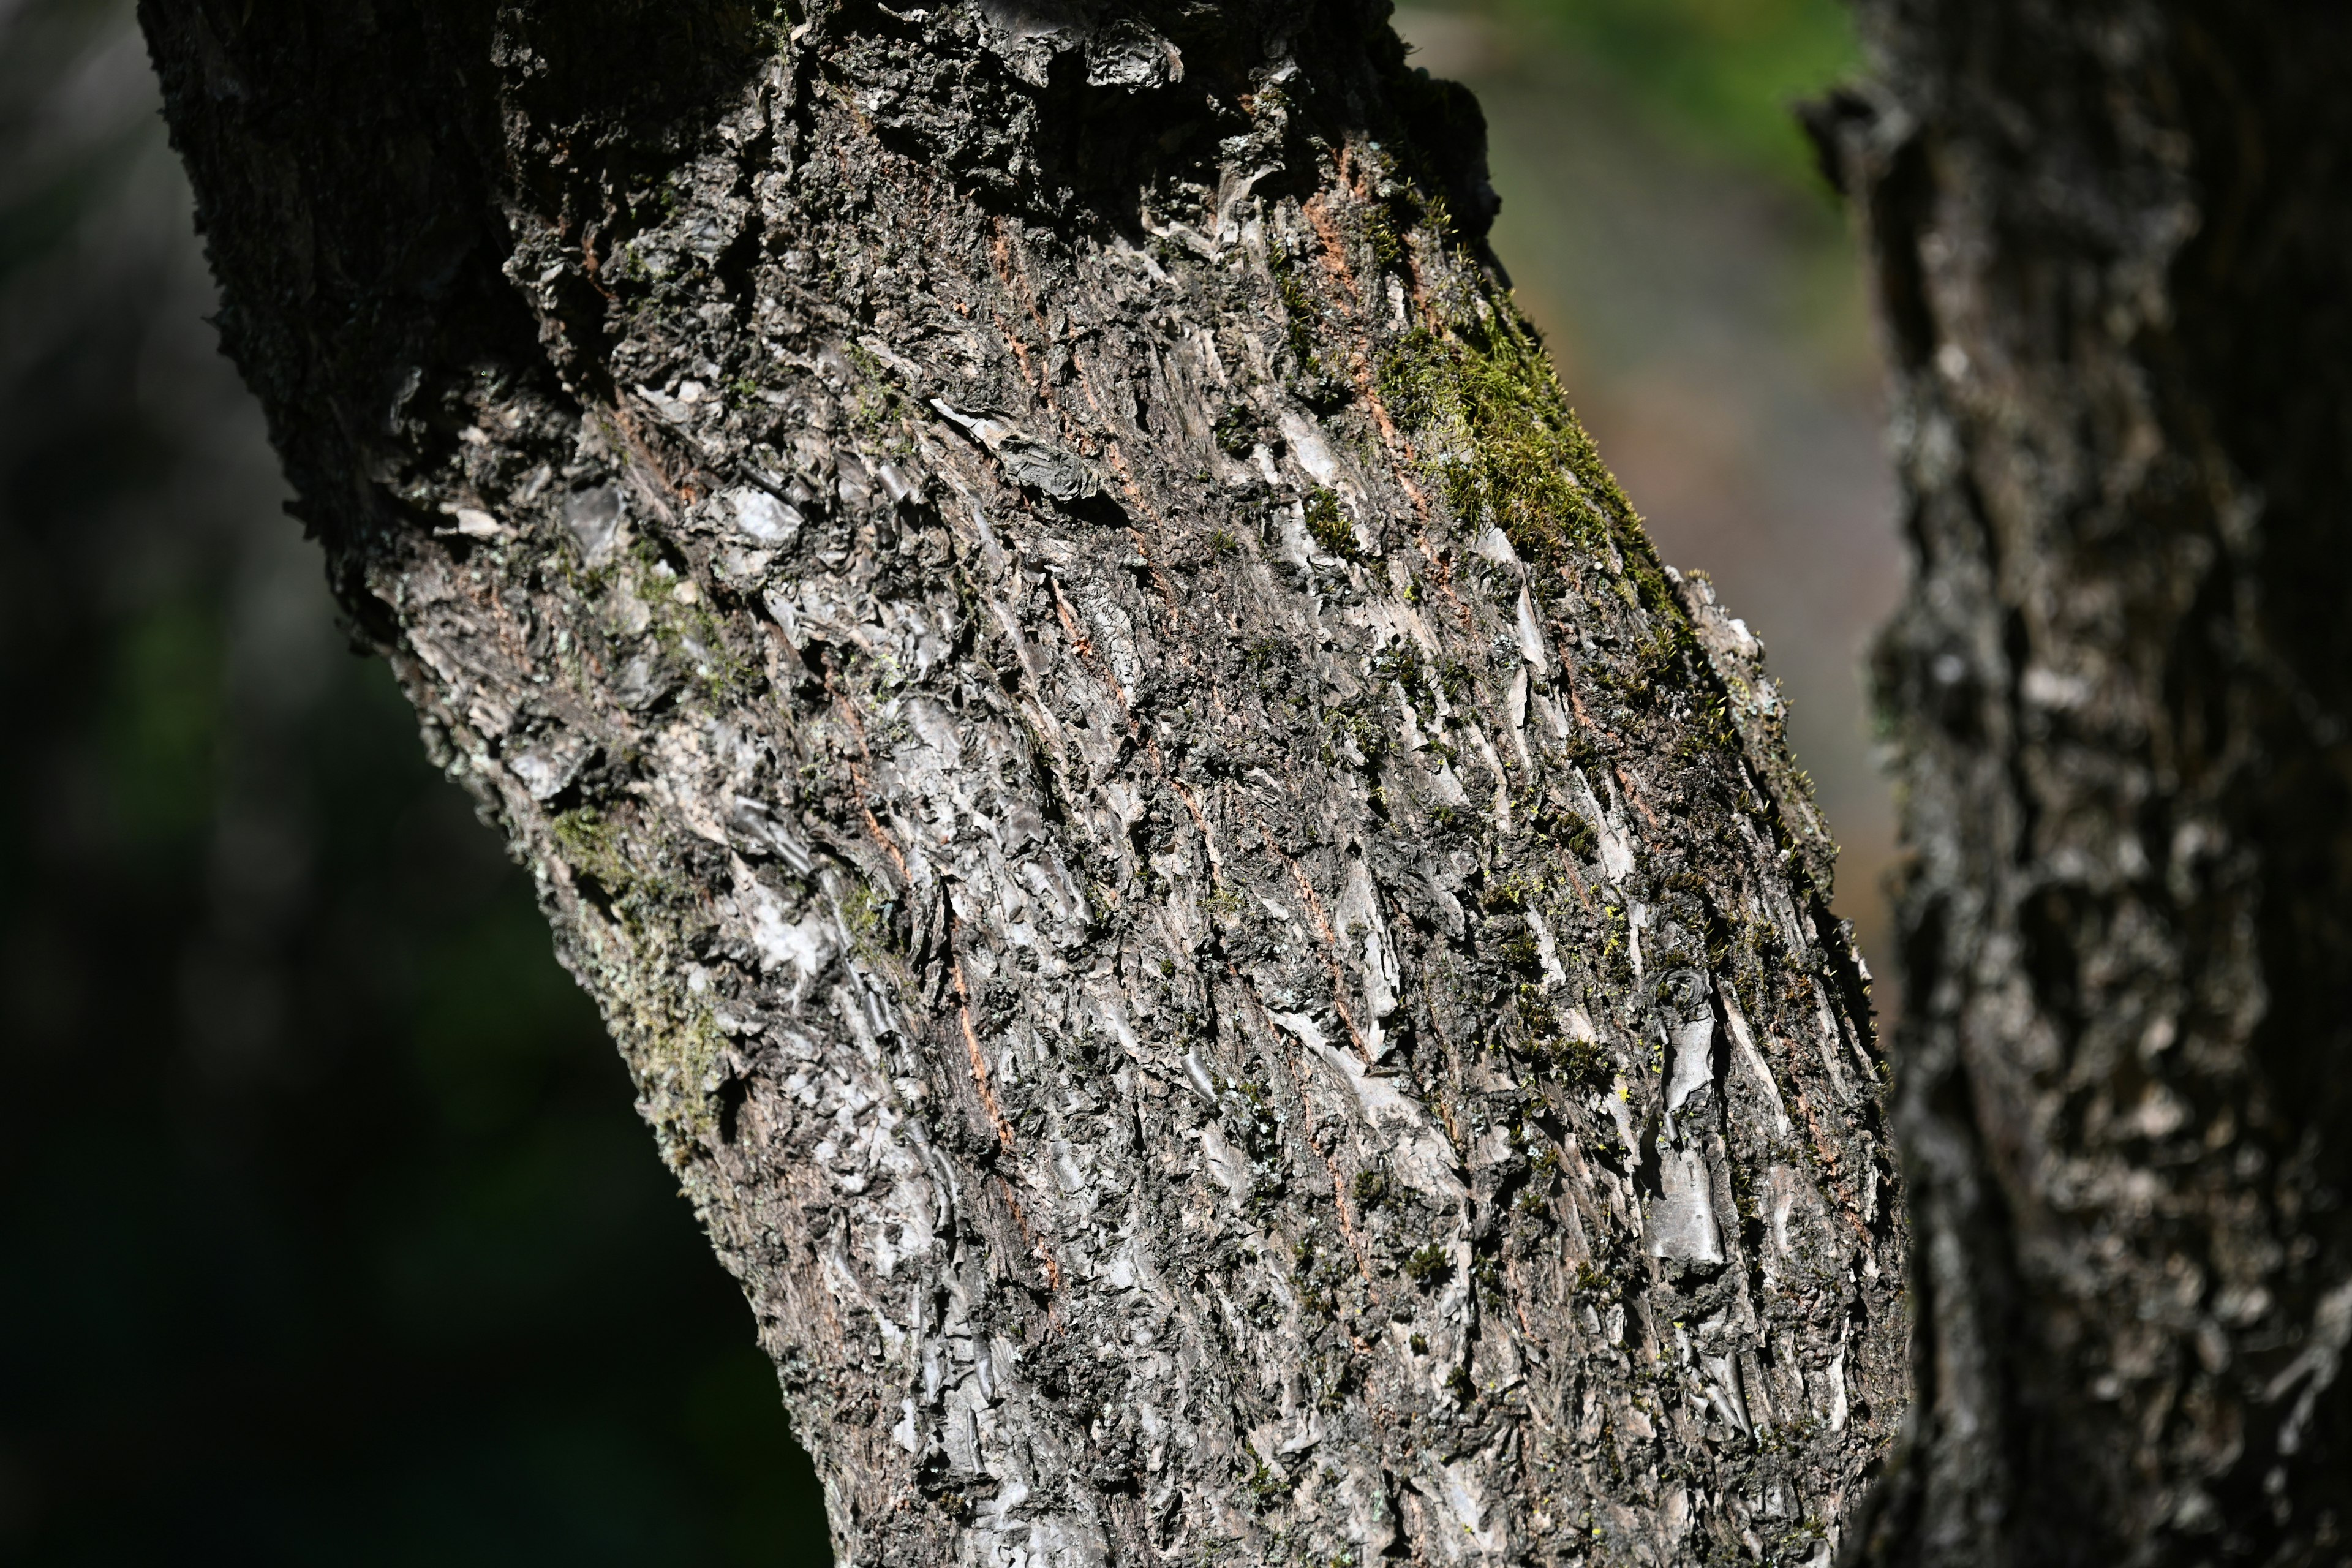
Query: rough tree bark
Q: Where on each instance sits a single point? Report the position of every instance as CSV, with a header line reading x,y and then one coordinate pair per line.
x,y
1236,969
2114,246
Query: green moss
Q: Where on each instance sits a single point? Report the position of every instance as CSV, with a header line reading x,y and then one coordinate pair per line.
x,y
1225,903
1574,1060
1270,664
1302,316
1743,1193
1266,1486
877,411
592,844
674,1054
684,1108
1504,445
1359,723
861,912
1583,1062
1382,241
1519,888
1583,840
1236,429
1313,381
687,632
1400,661
1328,526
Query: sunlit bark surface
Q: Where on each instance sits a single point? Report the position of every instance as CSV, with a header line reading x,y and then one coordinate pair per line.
x,y
1235,967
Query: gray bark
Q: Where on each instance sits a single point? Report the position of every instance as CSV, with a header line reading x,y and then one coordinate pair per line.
x,y
2112,244
1236,968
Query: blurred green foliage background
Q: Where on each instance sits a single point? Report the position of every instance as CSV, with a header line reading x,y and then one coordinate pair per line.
x,y
1719,75
326,1231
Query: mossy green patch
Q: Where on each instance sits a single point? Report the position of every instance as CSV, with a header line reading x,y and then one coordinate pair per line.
x,y
1236,429
592,844
1313,381
674,1046
1359,722
1483,403
878,411
679,1078
1302,317
1328,526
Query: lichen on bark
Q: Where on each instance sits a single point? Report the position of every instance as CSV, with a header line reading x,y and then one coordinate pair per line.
x,y
1237,969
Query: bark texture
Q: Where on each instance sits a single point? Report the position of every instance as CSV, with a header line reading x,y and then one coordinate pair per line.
x,y
1237,970
2114,244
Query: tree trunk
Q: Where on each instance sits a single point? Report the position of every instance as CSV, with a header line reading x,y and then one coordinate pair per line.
x,y
2114,245
1236,969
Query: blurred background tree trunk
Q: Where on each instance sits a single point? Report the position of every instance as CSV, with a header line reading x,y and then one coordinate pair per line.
x,y
1234,965
2111,244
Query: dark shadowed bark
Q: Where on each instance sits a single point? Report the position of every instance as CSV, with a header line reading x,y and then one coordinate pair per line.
x,y
2114,246
1236,969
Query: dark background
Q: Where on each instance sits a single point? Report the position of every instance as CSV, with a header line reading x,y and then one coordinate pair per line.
x,y
326,1231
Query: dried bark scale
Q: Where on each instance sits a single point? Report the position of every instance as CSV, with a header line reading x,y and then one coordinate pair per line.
x,y
1239,972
